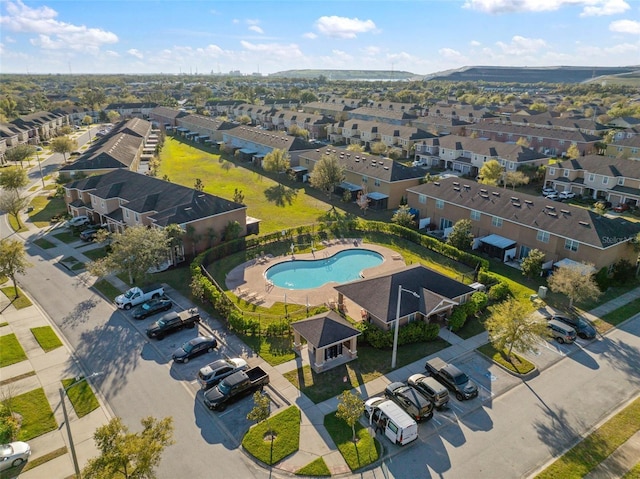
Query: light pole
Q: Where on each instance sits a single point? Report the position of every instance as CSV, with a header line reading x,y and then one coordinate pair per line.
x,y
395,332
38,159
63,392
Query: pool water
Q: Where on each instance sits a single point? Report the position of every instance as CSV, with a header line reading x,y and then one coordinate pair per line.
x,y
340,268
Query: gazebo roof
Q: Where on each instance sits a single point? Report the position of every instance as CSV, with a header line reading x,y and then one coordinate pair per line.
x,y
325,329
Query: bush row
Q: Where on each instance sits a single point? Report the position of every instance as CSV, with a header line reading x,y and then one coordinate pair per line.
x,y
414,332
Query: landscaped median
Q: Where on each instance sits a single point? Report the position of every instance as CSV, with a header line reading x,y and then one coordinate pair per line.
x,y
365,451
276,438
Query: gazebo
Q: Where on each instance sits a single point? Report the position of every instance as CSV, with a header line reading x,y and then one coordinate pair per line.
x,y
331,340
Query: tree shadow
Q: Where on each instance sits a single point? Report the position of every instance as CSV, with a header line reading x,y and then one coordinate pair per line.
x,y
80,314
280,195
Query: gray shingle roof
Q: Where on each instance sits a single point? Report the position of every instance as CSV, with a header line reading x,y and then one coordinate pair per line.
x,y
325,329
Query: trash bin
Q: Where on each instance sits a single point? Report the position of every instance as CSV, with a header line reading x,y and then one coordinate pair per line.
x,y
542,292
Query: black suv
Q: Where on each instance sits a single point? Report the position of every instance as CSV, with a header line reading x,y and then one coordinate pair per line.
x,y
583,329
409,399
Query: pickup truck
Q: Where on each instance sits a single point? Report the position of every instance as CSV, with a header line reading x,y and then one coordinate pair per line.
x,y
172,322
450,376
135,296
234,387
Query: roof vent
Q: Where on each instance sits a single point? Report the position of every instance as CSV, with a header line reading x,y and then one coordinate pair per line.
x,y
386,167
517,205
584,223
457,188
529,202
552,213
484,195
455,183
482,190
495,193
437,183
467,187
514,198
566,212
551,208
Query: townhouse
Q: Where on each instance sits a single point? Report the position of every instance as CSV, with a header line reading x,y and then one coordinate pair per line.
x,y
507,225
131,110
252,144
336,108
382,180
201,129
31,129
626,147
122,198
364,133
165,117
466,155
390,115
283,120
612,179
549,141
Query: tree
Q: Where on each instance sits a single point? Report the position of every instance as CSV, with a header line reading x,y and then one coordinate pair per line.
x,y
244,120
113,116
238,196
64,145
133,252
93,98
350,408
532,264
510,326
355,148
576,282
13,179
490,172
522,141
19,153
87,120
129,455
327,174
573,152
515,178
404,217
261,412
377,148
461,236
295,130
13,204
198,185
9,425
276,161
13,260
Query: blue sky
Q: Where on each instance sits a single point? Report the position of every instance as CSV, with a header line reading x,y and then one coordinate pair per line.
x,y
420,36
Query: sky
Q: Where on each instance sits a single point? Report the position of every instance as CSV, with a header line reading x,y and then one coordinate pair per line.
x,y
210,36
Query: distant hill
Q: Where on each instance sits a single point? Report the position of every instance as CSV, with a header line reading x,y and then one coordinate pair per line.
x,y
346,74
559,74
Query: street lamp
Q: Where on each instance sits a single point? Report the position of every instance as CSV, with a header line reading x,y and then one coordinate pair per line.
x,y
38,159
395,332
63,392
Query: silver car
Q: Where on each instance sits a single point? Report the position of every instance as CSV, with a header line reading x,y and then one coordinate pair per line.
x,y
13,455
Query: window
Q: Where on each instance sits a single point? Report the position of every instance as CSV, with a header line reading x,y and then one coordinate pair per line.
x,y
137,218
422,199
102,204
543,236
566,173
475,215
376,182
552,171
592,177
439,204
512,165
605,180
126,213
364,180
571,245
497,222
621,181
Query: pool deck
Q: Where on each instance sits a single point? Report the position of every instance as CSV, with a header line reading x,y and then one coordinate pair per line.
x,y
248,280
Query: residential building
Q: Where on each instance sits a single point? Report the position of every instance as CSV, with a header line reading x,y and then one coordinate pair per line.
x,y
131,110
164,117
507,225
628,147
254,143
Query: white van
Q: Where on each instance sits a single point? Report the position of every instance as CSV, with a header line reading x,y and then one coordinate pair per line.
x,y
397,425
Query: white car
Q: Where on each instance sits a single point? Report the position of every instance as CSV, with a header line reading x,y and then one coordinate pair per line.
x,y
548,191
566,195
78,221
553,197
159,268
13,455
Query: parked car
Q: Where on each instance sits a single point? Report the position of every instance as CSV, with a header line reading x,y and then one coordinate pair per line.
x,y
165,265
409,399
77,221
547,191
621,207
194,347
561,332
553,196
430,388
450,376
214,372
151,307
13,454
581,325
566,195
605,205
90,233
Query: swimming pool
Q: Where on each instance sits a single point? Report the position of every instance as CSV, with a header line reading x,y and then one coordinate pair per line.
x,y
342,267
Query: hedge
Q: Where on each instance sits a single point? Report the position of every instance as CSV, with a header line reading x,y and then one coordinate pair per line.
x,y
415,332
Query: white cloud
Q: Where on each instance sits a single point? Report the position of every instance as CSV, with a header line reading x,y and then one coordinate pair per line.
x,y
450,54
271,51
341,56
342,27
112,54
475,43
590,7
372,50
310,35
53,34
136,53
522,46
256,28
625,26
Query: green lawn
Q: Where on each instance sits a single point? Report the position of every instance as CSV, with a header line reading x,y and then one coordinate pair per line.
x,y
37,416
67,236
46,458
266,198
596,447
108,290
286,427
13,379
44,244
81,396
517,364
274,350
20,302
365,451
317,468
44,208
371,364
11,351
14,225
47,338
95,254
622,313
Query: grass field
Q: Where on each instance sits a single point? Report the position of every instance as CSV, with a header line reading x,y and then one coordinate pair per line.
x,y
20,302
266,198
365,451
107,289
37,416
44,208
286,429
47,338
317,468
81,396
11,351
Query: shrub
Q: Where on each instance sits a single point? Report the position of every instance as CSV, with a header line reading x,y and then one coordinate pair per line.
x,y
623,271
415,332
480,299
499,291
602,279
458,318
